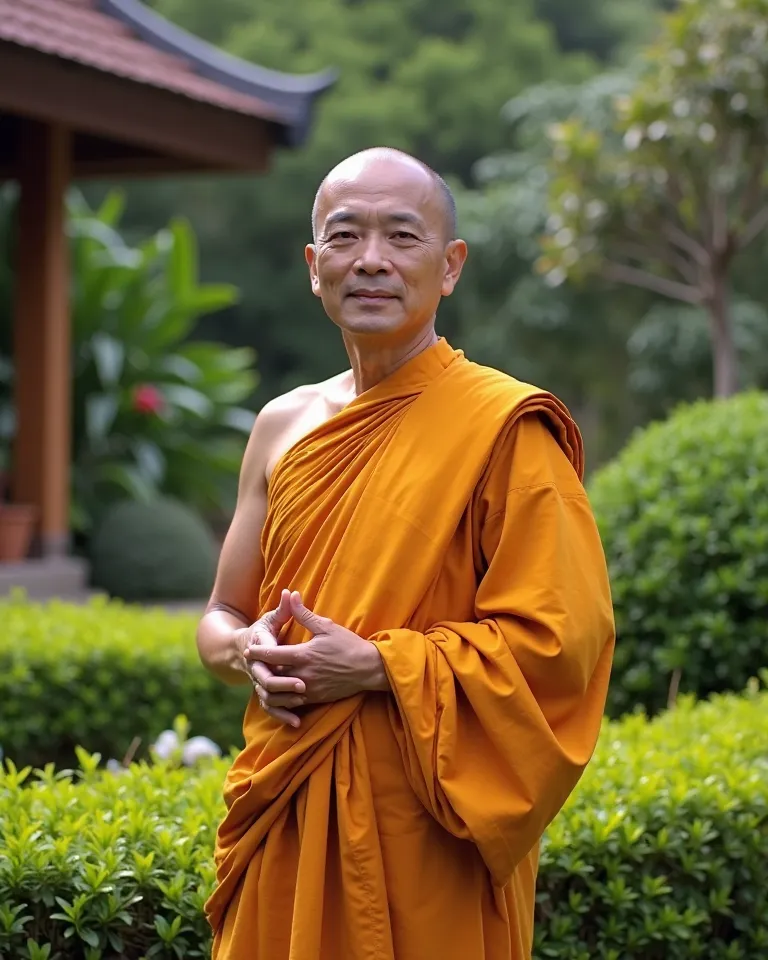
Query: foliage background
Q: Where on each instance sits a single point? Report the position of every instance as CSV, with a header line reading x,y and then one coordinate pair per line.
x,y
433,79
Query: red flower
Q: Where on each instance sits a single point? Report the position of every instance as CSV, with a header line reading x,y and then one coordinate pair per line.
x,y
147,399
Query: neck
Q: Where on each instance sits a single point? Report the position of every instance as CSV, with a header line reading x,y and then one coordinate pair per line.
x,y
372,361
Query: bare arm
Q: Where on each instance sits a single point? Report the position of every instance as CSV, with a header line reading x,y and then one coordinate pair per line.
x,y
222,632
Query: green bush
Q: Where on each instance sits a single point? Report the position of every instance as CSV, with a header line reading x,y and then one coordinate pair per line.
x,y
159,550
683,513
660,854
101,674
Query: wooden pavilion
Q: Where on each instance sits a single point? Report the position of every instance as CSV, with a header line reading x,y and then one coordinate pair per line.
x,y
105,88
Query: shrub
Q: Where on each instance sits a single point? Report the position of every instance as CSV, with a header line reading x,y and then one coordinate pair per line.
x,y
100,675
160,550
683,513
660,854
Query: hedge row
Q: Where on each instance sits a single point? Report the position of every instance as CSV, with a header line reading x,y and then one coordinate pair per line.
x,y
662,852
101,674
683,514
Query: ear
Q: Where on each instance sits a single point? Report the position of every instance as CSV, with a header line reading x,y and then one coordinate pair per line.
x,y
310,255
455,257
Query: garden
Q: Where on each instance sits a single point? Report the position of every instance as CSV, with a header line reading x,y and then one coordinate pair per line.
x,y
115,742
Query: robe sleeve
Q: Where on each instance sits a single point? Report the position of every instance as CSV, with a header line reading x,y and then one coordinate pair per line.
x,y
497,718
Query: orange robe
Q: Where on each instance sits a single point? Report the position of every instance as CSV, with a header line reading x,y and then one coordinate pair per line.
x,y
440,515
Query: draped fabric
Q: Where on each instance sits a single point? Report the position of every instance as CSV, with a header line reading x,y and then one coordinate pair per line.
x,y
440,515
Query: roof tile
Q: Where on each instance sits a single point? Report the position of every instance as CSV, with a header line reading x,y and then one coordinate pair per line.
x,y
76,30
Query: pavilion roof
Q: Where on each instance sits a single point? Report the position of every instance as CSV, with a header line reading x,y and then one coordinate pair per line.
x,y
127,39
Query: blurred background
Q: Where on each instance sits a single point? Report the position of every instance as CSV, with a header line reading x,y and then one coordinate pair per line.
x,y
608,162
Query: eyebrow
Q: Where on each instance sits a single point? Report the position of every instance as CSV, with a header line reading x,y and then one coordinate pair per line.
x,y
347,216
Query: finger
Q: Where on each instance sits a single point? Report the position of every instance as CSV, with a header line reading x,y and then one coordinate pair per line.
x,y
277,618
283,715
272,700
283,613
289,656
260,674
262,635
273,684
311,621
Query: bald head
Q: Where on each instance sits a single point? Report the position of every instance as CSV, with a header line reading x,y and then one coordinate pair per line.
x,y
361,162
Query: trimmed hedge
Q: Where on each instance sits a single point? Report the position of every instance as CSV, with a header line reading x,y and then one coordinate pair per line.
x,y
159,550
662,852
683,513
99,675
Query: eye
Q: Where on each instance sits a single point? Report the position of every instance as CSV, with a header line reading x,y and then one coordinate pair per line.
x,y
403,235
342,235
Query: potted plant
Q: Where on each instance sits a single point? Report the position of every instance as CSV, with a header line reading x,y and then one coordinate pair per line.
x,y
17,520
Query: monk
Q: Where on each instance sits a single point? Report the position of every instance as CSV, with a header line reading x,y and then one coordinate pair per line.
x,y
414,586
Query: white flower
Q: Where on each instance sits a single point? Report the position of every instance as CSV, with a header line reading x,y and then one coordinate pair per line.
x,y
554,223
681,107
198,747
166,744
564,238
657,130
707,132
570,256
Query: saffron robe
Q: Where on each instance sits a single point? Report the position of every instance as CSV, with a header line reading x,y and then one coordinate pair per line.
x,y
440,515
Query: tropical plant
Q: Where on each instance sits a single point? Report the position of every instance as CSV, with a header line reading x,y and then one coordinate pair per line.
x,y
155,411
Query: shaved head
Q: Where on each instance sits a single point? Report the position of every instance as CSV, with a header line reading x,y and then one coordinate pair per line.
x,y
353,165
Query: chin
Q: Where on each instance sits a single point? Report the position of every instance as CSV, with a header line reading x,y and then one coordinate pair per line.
x,y
374,322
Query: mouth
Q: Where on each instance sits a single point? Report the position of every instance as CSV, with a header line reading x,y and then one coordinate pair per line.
x,y
372,297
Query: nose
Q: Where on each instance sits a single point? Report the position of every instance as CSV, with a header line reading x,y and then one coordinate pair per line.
x,y
373,258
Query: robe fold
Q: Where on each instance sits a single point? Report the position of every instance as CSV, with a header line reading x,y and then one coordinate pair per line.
x,y
441,516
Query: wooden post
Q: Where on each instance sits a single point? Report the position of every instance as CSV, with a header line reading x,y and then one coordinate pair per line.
x,y
42,333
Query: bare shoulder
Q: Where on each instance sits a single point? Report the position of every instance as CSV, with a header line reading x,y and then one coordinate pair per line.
x,y
284,420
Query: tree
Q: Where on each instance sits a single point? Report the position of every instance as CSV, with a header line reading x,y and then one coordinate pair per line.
x,y
428,77
571,339
669,198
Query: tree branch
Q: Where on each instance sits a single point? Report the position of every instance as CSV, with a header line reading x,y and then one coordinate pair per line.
x,y
756,225
621,273
672,259
687,244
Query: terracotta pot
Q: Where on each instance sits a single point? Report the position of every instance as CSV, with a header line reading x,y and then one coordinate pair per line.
x,y
17,524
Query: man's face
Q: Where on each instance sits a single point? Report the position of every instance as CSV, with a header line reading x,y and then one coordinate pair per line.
x,y
382,260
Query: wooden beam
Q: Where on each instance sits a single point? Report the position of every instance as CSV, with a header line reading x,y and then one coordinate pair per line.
x,y
53,90
41,463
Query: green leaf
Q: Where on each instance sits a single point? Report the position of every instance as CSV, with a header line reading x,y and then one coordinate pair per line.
x,y
238,419
100,413
188,399
129,479
182,259
109,355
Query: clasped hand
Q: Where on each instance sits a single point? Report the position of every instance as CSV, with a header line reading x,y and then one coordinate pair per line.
x,y
336,663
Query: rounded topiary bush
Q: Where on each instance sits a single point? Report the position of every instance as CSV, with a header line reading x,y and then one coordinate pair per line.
x,y
683,513
160,550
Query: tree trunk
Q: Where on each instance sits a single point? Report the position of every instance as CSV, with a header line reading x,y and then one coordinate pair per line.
x,y
725,364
